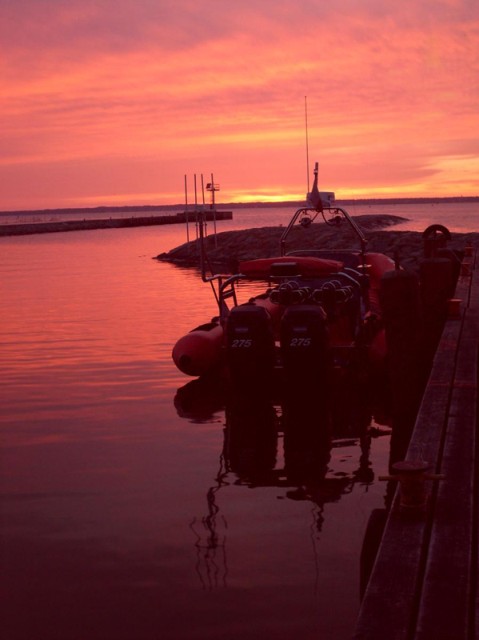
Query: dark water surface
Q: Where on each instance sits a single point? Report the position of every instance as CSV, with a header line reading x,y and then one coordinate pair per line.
x,y
123,514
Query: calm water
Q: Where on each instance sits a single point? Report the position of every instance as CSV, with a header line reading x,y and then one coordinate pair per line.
x,y
124,516
459,217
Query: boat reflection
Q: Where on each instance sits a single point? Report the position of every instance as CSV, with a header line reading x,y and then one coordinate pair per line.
x,y
255,430
292,442
199,400
210,533
309,430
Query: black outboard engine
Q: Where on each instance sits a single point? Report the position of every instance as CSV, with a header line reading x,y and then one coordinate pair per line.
x,y
250,350
305,350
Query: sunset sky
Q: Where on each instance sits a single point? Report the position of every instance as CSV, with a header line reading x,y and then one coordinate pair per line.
x,y
114,101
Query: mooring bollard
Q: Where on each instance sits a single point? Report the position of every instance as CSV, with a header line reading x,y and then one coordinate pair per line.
x,y
454,308
412,476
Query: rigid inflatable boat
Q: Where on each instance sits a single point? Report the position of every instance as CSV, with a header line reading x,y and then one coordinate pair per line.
x,y
307,311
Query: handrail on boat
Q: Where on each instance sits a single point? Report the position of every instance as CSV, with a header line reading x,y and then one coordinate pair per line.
x,y
339,211
282,241
227,280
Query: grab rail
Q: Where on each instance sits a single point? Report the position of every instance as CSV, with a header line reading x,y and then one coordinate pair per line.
x,y
338,210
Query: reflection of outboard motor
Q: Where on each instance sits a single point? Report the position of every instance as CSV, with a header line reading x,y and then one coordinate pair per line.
x,y
251,439
305,344
250,345
306,422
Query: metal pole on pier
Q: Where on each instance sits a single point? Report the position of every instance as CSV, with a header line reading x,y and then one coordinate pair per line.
x,y
199,210
213,206
203,206
201,229
196,207
186,211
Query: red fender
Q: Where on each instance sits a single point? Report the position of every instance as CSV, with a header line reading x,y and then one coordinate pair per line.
x,y
199,351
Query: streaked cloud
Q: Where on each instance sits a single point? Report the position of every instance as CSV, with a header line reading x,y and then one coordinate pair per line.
x,y
105,89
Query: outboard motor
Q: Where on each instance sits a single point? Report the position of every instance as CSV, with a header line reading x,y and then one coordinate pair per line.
x,y
305,348
250,349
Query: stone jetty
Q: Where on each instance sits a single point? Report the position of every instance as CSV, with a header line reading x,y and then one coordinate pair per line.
x,y
106,223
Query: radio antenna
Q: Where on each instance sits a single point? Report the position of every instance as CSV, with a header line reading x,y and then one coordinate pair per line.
x,y
307,143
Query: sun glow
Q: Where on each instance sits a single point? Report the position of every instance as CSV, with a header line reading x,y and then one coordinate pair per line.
x,y
390,110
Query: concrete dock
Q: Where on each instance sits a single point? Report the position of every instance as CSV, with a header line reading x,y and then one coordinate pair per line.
x,y
424,582
107,223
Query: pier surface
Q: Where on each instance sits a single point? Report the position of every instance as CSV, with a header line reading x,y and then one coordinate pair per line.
x,y
424,583
107,223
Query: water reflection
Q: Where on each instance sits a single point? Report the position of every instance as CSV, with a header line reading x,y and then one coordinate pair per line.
x,y
292,442
210,533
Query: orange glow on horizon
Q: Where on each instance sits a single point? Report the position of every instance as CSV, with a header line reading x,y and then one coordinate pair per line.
x,y
391,104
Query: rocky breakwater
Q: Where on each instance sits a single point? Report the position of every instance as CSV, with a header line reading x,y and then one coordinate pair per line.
x,y
228,248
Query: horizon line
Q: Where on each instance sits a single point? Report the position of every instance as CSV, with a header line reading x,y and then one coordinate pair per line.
x,y
259,203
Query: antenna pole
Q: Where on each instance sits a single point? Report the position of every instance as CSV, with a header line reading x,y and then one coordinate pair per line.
x,y
307,143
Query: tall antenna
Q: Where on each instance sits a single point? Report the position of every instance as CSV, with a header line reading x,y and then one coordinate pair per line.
x,y
307,143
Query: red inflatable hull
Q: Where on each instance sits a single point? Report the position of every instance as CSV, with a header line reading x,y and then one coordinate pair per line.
x,y
199,351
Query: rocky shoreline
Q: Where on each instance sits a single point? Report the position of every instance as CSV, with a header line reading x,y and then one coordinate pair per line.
x,y
229,247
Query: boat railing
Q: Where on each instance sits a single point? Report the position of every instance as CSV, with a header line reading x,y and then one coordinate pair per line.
x,y
224,285
219,282
307,215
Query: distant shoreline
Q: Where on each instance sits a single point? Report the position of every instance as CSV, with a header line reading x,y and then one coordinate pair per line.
x,y
238,205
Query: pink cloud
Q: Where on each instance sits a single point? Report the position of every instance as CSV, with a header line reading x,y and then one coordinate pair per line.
x,y
392,93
